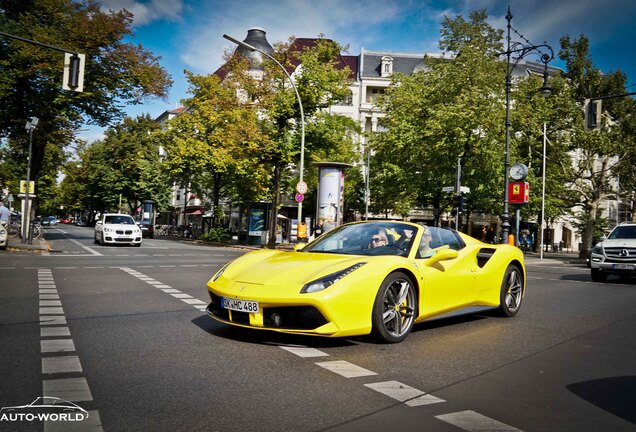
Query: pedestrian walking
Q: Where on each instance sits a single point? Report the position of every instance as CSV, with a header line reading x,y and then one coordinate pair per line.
x,y
5,214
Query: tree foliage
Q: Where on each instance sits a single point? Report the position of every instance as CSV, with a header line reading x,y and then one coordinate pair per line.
x,y
117,74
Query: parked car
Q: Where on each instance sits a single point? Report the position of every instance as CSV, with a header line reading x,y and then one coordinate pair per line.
x,y
4,236
147,228
115,228
362,278
616,254
49,221
81,222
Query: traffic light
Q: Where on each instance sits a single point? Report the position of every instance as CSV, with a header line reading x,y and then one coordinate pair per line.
x,y
73,78
460,203
592,114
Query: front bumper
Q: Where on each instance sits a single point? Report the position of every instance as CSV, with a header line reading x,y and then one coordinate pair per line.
x,y
612,262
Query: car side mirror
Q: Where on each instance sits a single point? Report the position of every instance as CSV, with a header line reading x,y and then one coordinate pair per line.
x,y
602,239
442,255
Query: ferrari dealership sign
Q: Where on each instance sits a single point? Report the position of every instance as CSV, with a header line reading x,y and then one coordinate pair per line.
x,y
518,192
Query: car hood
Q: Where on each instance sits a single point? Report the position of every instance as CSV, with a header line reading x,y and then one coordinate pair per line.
x,y
619,243
278,267
120,226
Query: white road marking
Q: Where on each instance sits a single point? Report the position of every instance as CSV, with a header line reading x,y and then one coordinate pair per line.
x,y
193,301
56,345
474,422
48,291
305,351
91,250
51,311
50,302
54,331
71,389
61,364
346,369
52,320
395,389
92,424
181,295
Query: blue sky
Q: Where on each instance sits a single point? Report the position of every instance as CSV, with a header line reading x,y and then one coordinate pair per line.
x,y
187,34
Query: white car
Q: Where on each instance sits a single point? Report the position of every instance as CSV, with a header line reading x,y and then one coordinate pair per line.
x,y
616,254
115,228
4,236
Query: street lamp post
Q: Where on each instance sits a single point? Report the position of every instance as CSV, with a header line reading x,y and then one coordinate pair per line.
x,y
300,105
26,225
515,52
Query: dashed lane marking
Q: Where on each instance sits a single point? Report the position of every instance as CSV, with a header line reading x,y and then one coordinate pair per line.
x,y
472,421
403,393
185,298
55,343
304,351
346,369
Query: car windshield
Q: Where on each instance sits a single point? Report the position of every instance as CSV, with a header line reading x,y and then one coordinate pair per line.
x,y
119,219
624,232
369,238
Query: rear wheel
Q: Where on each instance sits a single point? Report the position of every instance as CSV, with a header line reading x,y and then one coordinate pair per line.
x,y
394,308
511,291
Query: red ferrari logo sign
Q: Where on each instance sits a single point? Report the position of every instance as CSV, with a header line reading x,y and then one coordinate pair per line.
x,y
518,192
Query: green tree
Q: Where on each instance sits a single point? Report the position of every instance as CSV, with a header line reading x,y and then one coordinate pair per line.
x,y
117,74
320,83
599,154
451,109
213,146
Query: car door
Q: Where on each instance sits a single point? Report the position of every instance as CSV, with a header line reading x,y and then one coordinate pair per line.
x,y
447,283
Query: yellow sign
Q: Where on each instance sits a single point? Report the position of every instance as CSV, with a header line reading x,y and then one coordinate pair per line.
x,y
23,186
516,189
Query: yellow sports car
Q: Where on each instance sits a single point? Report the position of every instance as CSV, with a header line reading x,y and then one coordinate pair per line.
x,y
363,278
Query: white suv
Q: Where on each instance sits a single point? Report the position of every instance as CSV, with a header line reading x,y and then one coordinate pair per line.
x,y
615,254
115,228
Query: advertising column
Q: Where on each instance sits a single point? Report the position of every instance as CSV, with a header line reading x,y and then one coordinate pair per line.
x,y
331,193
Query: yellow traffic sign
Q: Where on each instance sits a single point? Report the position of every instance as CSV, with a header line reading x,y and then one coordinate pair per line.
x,y
23,186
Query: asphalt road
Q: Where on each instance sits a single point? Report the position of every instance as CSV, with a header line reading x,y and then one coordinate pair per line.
x,y
120,331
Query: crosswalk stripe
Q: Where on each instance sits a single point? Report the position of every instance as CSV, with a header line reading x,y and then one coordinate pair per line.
x,y
305,351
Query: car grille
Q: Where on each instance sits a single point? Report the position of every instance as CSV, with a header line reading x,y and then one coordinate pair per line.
x,y
288,317
620,254
126,232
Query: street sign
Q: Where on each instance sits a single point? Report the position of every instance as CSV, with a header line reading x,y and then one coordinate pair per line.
x,y
23,186
448,189
300,197
519,192
301,187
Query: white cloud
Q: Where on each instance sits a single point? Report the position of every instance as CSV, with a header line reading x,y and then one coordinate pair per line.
x,y
147,12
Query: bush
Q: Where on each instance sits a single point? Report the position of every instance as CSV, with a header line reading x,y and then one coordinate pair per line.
x,y
217,235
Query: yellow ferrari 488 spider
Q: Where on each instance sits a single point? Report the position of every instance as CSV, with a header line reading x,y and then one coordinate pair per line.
x,y
363,278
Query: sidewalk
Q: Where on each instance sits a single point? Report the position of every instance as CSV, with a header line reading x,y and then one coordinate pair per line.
x,y
38,245
559,258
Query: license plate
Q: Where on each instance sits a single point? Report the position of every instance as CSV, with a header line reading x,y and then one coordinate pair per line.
x,y
624,266
249,306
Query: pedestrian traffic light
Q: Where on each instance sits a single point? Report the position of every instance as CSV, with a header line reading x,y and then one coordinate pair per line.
x,y
73,78
592,114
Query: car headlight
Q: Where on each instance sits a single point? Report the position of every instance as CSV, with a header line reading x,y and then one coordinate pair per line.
x,y
598,249
3,231
220,272
106,229
327,281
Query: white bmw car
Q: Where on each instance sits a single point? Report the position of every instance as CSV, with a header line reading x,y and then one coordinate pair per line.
x,y
115,228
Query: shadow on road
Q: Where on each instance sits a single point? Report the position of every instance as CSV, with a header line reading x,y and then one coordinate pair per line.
x,y
616,395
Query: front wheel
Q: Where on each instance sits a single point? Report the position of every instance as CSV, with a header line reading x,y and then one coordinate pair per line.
x,y
598,275
394,308
511,291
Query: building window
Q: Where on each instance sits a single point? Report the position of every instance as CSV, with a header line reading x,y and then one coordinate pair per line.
x,y
373,93
387,67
